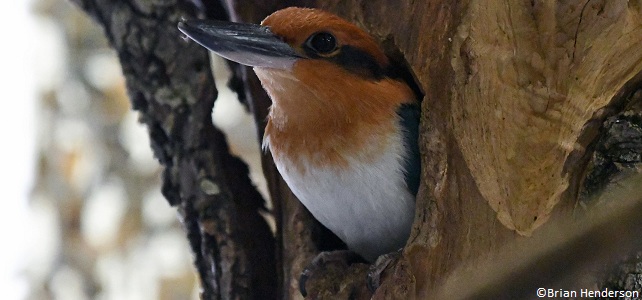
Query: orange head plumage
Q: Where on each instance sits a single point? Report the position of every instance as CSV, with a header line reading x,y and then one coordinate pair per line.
x,y
328,79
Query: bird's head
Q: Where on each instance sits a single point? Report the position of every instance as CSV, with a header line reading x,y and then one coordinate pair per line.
x,y
314,65
329,81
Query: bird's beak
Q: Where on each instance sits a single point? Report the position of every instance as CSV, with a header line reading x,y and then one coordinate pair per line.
x,y
247,44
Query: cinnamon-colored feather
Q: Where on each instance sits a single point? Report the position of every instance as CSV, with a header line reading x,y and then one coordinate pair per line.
x,y
343,111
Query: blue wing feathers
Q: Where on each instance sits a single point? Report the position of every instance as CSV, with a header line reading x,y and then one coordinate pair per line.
x,y
409,114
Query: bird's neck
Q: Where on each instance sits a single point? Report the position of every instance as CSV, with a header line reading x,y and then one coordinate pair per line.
x,y
323,111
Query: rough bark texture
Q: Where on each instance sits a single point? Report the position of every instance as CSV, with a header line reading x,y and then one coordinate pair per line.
x,y
170,84
516,98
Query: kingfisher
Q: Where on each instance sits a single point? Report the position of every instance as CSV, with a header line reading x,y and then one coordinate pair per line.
x,y
343,125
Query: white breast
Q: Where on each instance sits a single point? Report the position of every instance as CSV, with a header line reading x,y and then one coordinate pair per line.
x,y
367,205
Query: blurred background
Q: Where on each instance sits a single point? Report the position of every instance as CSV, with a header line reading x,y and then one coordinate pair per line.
x,y
83,217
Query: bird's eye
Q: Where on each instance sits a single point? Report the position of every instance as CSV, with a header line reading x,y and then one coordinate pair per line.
x,y
322,42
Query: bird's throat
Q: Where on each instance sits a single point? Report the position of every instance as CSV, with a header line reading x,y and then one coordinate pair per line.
x,y
345,112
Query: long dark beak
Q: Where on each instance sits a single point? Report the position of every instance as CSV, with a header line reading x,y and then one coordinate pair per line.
x,y
247,44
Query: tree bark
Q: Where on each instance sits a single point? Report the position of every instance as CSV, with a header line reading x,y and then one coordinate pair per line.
x,y
170,84
517,131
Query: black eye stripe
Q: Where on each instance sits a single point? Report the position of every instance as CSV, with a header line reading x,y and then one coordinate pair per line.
x,y
322,42
359,61
323,45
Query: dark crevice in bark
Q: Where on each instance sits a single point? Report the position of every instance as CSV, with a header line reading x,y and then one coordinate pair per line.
x,y
618,152
611,137
594,166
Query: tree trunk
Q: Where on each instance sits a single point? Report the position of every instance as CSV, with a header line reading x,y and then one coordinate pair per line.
x,y
170,84
522,103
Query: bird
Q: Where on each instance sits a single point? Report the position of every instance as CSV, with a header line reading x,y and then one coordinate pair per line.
x,y
343,125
